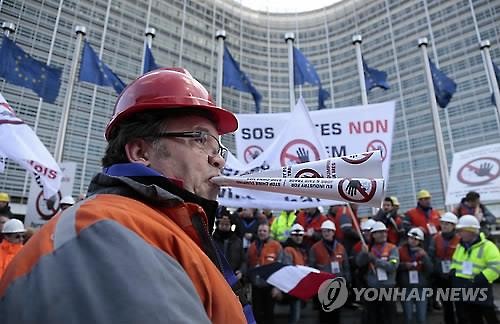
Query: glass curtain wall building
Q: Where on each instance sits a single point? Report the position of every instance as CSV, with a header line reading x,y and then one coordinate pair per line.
x,y
185,33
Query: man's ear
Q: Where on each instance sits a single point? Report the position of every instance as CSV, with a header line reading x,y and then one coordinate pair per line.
x,y
137,151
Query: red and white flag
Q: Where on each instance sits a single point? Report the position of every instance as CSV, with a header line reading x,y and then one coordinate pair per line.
x,y
297,281
20,143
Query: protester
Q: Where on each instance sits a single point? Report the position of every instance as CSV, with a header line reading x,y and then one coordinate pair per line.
x,y
311,219
66,202
475,264
3,220
230,244
471,205
423,216
281,226
4,205
382,259
13,233
329,255
138,249
441,251
248,226
415,268
262,251
388,215
295,253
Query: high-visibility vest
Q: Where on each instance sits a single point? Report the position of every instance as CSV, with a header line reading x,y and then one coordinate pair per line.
x,y
269,253
281,225
323,257
299,256
483,255
404,256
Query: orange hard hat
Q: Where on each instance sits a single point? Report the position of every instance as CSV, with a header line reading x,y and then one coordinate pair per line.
x,y
169,88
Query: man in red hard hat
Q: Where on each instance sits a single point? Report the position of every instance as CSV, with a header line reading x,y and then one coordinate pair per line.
x,y
138,249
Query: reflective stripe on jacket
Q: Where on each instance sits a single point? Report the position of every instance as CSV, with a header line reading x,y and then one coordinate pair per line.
x,y
281,225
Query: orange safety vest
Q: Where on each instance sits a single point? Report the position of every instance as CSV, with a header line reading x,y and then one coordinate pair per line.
x,y
418,219
445,248
169,230
8,251
299,257
324,258
268,253
404,256
385,253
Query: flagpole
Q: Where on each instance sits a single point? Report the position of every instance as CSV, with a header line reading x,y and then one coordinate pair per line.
x,y
220,36
61,135
485,48
289,38
150,33
356,41
181,45
330,72
269,96
92,104
443,164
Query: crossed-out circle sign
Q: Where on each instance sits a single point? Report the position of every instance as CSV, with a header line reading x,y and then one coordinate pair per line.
x,y
292,151
479,171
357,191
378,145
44,211
307,173
358,159
252,152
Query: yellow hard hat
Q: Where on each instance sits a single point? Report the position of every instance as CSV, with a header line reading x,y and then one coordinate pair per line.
x,y
423,194
395,201
4,197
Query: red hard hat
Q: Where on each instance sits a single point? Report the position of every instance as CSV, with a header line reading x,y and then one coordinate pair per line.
x,y
169,88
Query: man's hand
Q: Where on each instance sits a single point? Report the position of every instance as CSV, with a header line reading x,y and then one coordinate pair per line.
x,y
353,187
303,155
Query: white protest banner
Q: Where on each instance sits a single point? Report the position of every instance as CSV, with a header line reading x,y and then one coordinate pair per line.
x,y
477,170
343,131
40,210
20,143
361,191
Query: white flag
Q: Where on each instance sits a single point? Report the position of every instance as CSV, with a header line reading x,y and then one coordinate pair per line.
x,y
20,143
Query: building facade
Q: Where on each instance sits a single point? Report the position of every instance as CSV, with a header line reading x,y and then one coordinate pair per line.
x,y
185,31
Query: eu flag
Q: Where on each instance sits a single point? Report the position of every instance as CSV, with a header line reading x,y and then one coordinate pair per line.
x,y
94,71
444,87
149,60
323,95
235,78
19,68
303,71
374,78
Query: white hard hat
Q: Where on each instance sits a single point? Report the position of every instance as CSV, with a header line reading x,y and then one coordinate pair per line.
x,y
297,229
67,200
328,224
377,227
416,233
449,218
367,225
468,221
13,226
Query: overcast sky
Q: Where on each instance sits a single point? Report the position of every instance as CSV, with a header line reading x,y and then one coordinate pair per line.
x,y
286,5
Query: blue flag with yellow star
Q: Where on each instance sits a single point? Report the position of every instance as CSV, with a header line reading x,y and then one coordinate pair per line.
x,y
149,60
235,78
304,72
444,87
374,78
19,68
94,71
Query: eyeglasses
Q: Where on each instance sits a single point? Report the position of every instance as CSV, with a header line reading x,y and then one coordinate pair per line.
x,y
15,236
207,142
296,234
